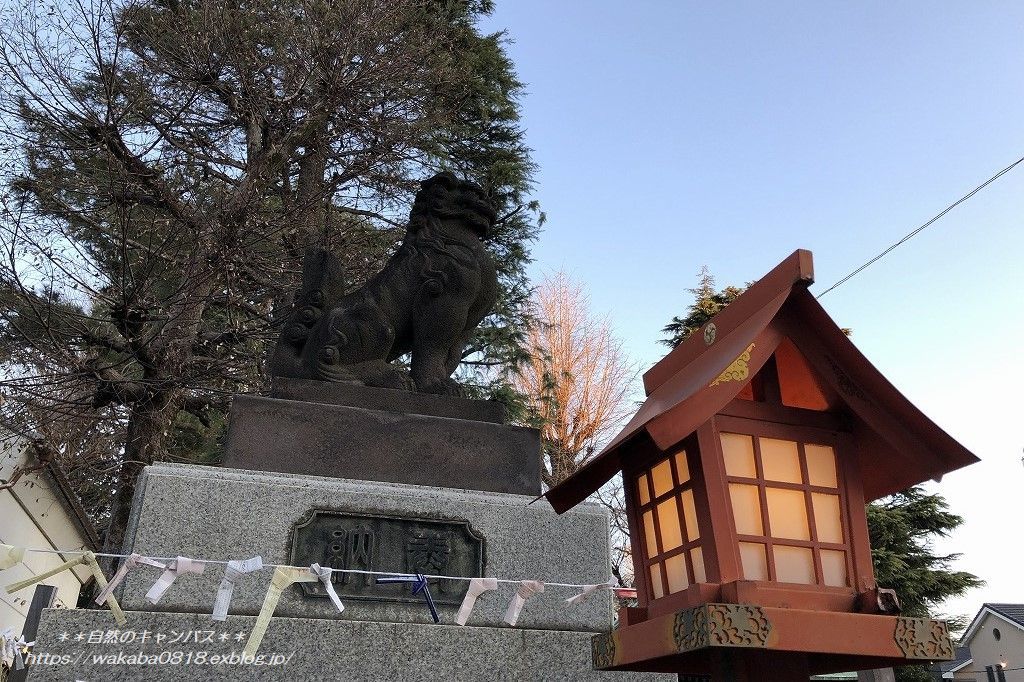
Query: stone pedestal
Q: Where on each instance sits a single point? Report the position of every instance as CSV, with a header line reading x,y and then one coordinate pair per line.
x,y
227,514
386,435
346,441
477,518
313,650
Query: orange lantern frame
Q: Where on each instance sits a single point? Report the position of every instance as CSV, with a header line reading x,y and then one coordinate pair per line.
x,y
746,473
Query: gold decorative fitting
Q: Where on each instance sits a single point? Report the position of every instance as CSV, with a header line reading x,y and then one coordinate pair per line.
x,y
737,370
721,625
602,649
710,331
923,638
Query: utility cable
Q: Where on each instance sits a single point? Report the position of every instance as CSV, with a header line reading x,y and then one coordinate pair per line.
x,y
922,227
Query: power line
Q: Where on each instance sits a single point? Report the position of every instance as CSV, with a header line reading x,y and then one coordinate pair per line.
x,y
922,227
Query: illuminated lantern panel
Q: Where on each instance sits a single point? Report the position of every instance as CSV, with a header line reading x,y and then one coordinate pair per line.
x,y
673,557
786,500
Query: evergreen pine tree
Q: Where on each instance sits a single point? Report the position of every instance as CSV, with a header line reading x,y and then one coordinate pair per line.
x,y
902,528
168,162
706,304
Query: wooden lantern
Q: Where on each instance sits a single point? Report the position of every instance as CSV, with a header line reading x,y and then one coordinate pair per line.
x,y
746,473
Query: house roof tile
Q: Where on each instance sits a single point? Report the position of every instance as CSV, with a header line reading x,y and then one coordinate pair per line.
x,y
1014,612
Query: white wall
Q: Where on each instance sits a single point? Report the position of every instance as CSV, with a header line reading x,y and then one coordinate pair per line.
x,y
33,514
987,650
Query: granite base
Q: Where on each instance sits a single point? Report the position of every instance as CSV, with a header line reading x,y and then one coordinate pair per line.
x,y
304,649
217,513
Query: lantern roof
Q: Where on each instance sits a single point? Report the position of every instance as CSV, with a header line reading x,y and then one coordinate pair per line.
x,y
697,379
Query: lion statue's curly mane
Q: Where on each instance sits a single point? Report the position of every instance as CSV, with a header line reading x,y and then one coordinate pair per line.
x,y
428,299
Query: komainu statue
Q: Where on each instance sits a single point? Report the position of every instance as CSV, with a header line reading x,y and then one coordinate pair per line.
x,y
427,300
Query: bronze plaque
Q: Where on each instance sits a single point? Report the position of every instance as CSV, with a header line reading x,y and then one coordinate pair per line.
x,y
370,542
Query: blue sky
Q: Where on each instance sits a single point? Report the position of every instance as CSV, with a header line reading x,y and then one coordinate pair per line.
x,y
672,135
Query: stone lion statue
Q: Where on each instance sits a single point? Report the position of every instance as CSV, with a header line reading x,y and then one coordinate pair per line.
x,y
427,300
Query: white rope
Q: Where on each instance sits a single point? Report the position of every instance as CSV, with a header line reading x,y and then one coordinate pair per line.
x,y
335,570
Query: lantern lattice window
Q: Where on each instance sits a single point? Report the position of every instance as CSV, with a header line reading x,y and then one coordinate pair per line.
x,y
786,502
673,555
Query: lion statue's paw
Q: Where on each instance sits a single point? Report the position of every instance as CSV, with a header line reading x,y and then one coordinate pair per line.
x,y
445,386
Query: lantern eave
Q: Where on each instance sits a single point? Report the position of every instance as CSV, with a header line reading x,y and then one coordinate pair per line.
x,y
701,376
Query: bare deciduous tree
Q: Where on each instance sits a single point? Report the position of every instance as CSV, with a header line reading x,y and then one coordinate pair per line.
x,y
578,378
612,497
577,382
